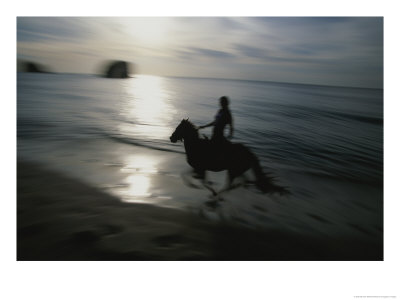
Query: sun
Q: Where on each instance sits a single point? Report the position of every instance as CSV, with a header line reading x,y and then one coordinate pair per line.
x,y
148,31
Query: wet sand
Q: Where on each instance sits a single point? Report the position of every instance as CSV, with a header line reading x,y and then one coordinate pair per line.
x,y
62,218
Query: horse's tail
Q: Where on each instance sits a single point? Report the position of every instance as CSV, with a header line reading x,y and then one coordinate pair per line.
x,y
266,182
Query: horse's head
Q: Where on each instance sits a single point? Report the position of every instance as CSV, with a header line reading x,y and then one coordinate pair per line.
x,y
184,129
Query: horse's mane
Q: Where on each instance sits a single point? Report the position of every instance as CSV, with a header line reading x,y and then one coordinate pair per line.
x,y
191,127
190,124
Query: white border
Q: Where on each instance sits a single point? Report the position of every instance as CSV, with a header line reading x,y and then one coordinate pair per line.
x,y
206,280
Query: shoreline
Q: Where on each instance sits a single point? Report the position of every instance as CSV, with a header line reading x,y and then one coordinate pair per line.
x,y
61,218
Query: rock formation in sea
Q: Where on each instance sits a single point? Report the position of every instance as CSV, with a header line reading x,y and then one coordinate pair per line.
x,y
117,69
33,67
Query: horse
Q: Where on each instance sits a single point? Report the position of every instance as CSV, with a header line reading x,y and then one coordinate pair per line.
x,y
207,155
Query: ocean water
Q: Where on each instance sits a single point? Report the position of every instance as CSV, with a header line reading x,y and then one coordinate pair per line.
x,y
324,143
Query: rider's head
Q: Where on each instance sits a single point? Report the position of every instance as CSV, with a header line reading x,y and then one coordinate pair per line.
x,y
224,101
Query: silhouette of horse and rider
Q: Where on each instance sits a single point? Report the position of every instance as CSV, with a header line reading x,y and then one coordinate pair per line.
x,y
220,154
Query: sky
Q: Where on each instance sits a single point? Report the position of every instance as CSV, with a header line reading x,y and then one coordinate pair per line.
x,y
342,51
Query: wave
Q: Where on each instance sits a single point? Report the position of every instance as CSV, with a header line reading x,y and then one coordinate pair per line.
x,y
140,143
303,112
338,157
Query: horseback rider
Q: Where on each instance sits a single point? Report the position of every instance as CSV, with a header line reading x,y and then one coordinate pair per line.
x,y
223,118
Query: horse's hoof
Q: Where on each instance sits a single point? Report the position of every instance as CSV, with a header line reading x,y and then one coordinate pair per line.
x,y
212,203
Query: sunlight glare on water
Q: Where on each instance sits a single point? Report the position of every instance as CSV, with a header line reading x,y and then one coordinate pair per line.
x,y
140,163
147,104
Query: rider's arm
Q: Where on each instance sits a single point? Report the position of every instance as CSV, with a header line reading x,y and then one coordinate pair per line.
x,y
230,123
230,130
208,125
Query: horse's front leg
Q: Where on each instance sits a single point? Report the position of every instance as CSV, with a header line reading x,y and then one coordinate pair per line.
x,y
229,186
188,177
202,174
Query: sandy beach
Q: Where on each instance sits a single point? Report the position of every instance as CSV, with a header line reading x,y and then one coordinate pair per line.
x,y
62,218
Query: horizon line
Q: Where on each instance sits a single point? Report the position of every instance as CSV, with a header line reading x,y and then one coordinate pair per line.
x,y
220,78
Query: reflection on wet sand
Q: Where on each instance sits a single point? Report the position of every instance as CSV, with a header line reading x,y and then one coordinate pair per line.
x,y
139,185
140,168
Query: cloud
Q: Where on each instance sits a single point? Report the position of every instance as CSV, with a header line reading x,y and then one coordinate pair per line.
x,y
294,55
204,53
51,28
250,47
